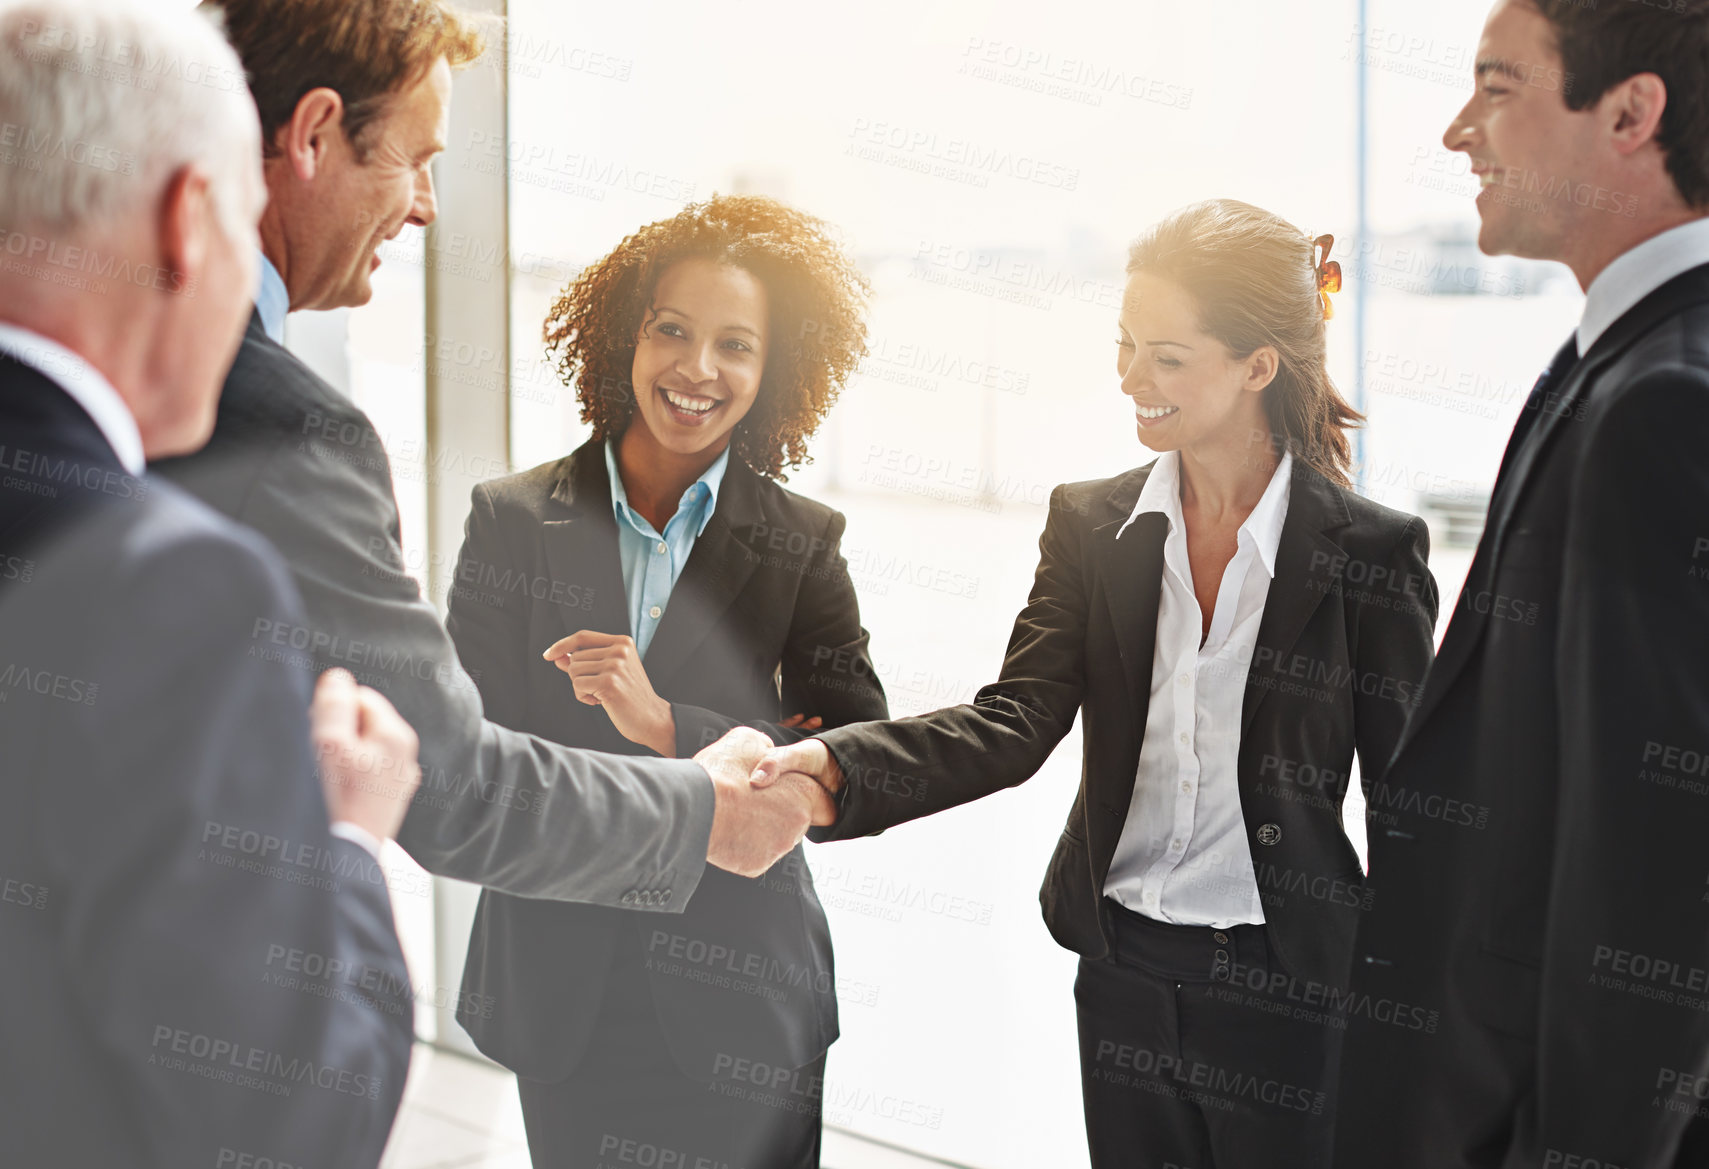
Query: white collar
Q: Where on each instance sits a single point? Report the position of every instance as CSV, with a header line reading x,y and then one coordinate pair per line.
x,y
86,385
1162,494
1636,273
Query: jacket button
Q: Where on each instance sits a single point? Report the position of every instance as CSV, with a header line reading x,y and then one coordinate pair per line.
x,y
1269,833
627,898
1221,938
665,897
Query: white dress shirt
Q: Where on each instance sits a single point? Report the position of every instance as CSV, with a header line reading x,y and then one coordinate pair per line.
x,y
1183,856
87,386
1635,274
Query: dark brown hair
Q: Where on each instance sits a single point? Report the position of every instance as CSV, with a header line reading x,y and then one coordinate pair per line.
x,y
1603,44
1250,274
365,50
817,300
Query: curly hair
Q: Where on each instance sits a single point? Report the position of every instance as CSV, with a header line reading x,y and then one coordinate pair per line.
x,y
817,301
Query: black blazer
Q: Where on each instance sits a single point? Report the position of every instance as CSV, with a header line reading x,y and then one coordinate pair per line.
x,y
1543,902
170,892
1342,646
765,601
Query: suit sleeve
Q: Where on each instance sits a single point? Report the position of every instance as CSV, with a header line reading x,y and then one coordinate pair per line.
x,y
209,900
1397,639
496,807
902,770
827,664
1621,1036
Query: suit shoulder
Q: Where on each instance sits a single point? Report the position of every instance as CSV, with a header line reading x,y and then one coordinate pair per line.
x,y
172,553
1375,526
797,511
269,387
1101,500
1672,359
525,491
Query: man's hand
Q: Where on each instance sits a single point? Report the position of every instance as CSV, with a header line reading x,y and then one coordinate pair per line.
x,y
366,752
809,757
606,670
753,827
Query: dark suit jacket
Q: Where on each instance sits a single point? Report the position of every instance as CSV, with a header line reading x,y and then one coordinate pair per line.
x,y
1555,925
764,600
1342,646
298,462
169,889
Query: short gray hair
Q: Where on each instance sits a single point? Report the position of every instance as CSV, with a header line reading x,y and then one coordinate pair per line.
x,y
101,102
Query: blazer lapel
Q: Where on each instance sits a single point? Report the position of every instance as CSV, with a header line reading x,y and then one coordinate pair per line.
x,y
1131,574
581,548
717,569
1467,624
1308,569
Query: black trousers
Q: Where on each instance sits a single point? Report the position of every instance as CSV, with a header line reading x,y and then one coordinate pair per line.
x,y
629,1103
1197,1052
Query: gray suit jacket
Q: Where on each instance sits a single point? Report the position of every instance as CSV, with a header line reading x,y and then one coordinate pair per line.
x,y
298,462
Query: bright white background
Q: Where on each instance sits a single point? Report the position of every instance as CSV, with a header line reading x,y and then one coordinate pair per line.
x,y
913,127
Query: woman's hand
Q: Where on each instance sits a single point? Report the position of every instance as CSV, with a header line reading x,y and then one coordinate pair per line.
x,y
606,671
802,721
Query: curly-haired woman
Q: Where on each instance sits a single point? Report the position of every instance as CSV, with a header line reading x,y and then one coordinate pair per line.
x,y
651,590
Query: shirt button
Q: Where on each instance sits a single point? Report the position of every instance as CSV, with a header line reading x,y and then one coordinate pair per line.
x,y
1183,679
1175,844
1151,896
1186,785
1185,738
661,549
654,612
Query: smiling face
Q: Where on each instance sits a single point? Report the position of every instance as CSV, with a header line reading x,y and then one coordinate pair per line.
x,y
354,206
699,357
1188,390
1525,145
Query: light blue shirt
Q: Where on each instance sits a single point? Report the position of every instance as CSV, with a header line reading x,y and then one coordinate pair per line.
x,y
272,301
651,562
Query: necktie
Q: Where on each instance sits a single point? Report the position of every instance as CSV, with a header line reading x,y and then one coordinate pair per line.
x,y
1551,381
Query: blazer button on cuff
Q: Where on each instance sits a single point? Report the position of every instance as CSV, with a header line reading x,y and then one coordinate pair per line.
x,y
627,898
1269,833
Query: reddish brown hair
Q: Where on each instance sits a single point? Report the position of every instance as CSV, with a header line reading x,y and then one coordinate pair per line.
x,y
365,50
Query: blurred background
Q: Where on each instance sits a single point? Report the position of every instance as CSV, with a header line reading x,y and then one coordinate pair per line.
x,y
987,164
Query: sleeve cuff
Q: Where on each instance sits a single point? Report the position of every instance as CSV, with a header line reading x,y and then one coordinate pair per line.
x,y
356,834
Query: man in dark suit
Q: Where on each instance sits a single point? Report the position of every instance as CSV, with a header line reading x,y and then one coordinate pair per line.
x,y
1560,934
351,132
195,937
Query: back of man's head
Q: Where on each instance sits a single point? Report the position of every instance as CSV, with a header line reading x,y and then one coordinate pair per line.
x,y
367,51
1603,44
100,102
129,192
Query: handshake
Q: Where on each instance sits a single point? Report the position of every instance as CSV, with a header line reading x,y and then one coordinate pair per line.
x,y
766,798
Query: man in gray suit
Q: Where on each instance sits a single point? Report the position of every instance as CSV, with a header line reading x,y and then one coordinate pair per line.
x,y
354,101
196,939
